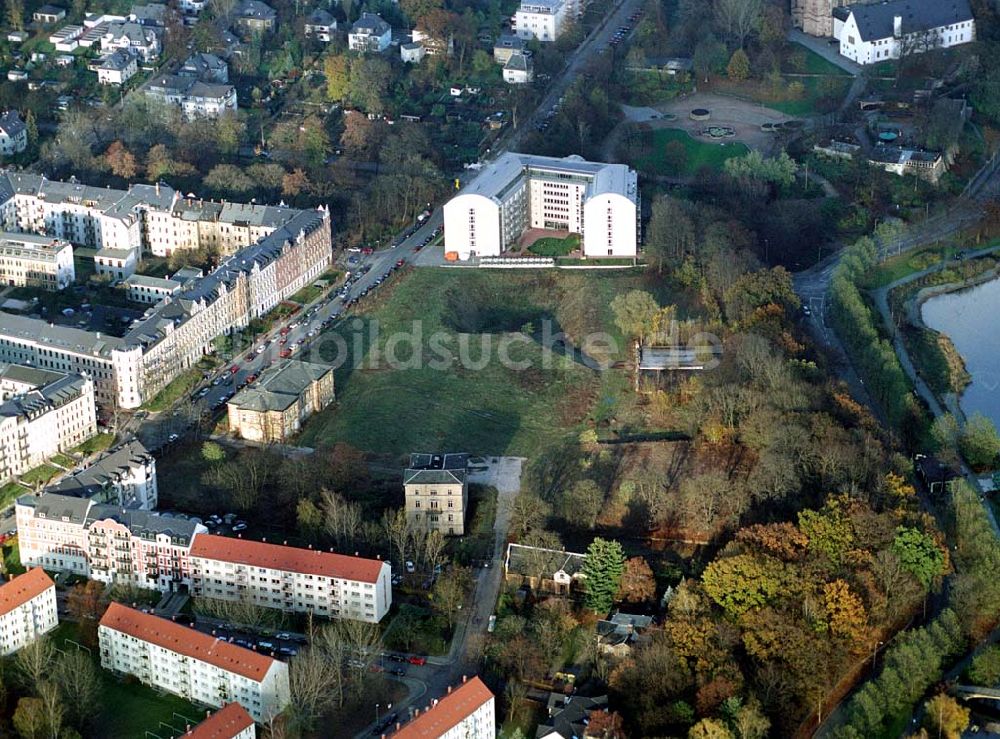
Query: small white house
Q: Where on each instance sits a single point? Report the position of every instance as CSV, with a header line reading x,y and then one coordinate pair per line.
x,y
117,68
869,34
369,33
519,69
321,25
13,133
412,52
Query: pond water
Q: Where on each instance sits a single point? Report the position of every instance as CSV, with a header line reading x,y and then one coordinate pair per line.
x,y
971,319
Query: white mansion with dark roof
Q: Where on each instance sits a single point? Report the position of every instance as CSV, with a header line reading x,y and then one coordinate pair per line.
x,y
869,34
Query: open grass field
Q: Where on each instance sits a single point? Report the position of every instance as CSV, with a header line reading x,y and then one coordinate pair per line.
x,y
548,246
469,400
819,93
95,444
176,389
698,154
807,61
130,709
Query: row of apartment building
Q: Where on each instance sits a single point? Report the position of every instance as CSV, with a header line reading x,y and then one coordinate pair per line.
x,y
278,251
120,545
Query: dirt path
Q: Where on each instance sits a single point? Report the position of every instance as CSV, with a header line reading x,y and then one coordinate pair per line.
x,y
743,116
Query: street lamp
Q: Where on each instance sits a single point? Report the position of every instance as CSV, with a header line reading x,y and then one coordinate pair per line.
x,y
377,706
875,653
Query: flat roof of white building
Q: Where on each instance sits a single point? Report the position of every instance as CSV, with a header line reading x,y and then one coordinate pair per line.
x,y
603,178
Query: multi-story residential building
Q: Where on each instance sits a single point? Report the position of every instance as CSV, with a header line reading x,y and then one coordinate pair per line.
x,y
869,34
412,52
273,409
230,722
206,67
519,69
195,98
105,542
369,34
27,609
13,133
117,68
140,548
321,25
254,16
290,578
467,711
36,261
283,250
540,19
54,416
124,477
188,663
52,532
518,192
152,14
436,489
143,41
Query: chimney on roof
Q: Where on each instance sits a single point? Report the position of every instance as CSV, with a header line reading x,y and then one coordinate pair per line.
x,y
464,679
285,542
449,690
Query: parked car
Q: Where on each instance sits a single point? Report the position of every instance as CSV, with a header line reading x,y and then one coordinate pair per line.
x,y
409,567
264,644
234,369
415,660
241,526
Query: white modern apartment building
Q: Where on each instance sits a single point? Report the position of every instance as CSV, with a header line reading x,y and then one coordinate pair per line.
x,y
369,34
290,578
195,98
518,192
230,722
105,542
36,261
57,414
27,609
869,34
124,477
540,19
467,711
195,666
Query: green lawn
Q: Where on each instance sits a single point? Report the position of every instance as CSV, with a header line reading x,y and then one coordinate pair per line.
x,y
548,246
434,399
12,557
177,389
63,461
40,475
10,492
95,444
307,294
698,154
814,63
816,90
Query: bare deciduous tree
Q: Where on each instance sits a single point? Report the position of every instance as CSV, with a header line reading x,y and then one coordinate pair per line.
x,y
738,19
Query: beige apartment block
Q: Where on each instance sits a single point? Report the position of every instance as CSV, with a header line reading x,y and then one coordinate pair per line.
x,y
437,492
273,409
27,260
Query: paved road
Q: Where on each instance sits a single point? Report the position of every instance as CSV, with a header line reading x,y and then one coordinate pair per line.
x,y
432,680
591,47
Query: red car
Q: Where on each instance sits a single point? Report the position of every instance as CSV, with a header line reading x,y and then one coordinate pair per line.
x,y
251,378
400,262
367,250
284,331
234,369
417,660
285,353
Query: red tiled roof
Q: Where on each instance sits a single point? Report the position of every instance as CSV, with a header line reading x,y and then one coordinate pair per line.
x,y
457,705
21,589
187,641
225,723
289,559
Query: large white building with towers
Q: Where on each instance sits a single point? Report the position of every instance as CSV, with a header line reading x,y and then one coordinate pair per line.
x,y
518,192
